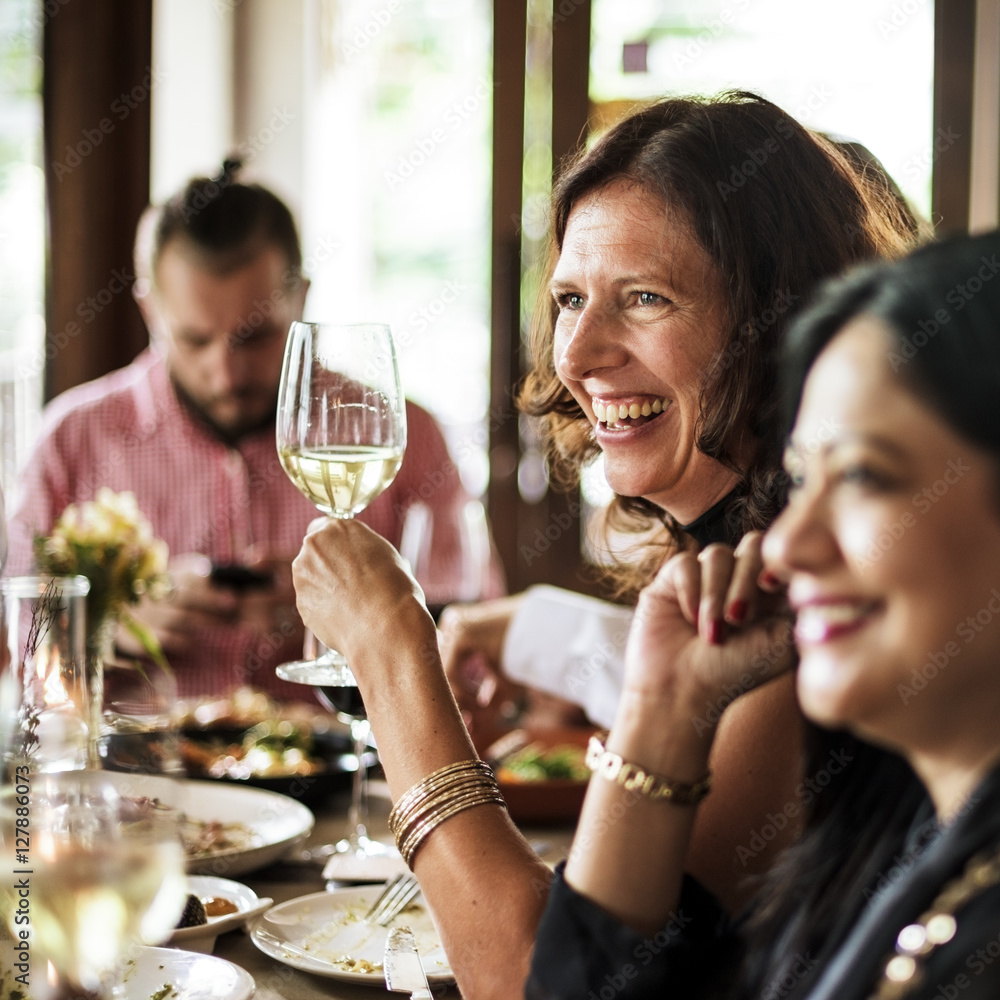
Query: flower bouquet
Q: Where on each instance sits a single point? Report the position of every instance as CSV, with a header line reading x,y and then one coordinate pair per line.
x,y
111,543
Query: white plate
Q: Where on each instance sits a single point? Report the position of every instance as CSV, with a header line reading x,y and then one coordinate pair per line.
x,y
273,823
312,932
202,937
191,976
186,975
276,822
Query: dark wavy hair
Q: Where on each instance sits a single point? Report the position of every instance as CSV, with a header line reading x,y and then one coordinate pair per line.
x,y
941,309
777,208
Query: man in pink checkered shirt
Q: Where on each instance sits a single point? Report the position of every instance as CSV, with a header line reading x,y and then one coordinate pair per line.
x,y
188,427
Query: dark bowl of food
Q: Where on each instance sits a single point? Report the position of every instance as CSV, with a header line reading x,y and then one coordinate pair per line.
x,y
249,739
304,762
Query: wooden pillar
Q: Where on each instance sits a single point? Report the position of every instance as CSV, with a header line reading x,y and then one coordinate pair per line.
x,y
509,33
570,75
538,541
954,51
96,90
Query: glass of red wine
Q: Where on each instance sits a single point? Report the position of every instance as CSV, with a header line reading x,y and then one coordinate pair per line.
x,y
346,702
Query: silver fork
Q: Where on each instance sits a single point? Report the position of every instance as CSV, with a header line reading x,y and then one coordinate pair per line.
x,y
398,891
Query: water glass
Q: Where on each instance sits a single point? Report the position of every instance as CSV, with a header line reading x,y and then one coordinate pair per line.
x,y
44,652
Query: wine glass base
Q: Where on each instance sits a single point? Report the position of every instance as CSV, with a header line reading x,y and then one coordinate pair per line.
x,y
364,847
361,860
322,673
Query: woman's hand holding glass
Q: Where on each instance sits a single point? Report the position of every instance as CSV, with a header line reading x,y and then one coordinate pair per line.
x,y
349,581
341,433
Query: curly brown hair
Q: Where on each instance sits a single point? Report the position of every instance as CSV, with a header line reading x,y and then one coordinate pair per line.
x,y
777,208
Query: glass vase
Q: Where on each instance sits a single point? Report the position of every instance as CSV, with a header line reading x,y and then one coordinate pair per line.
x,y
100,645
139,727
45,651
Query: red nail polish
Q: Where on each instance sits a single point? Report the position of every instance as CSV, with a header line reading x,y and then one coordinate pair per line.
x,y
737,610
769,580
716,629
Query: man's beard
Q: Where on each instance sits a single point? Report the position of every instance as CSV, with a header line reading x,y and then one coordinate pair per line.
x,y
231,434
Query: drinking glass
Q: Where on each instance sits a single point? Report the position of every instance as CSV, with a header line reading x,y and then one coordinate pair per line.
x,y
341,432
103,873
448,552
44,658
140,731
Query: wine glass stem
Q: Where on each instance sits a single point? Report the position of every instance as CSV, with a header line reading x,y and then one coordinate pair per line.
x,y
357,817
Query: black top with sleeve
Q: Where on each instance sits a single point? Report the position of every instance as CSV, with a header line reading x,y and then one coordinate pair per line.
x,y
582,953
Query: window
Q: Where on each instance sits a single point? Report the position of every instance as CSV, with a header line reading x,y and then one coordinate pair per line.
x,y
396,201
22,230
870,80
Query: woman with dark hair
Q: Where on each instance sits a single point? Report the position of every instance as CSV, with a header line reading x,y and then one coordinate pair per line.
x,y
674,235
890,548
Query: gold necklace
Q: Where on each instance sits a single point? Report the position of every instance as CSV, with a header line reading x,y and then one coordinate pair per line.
x,y
936,926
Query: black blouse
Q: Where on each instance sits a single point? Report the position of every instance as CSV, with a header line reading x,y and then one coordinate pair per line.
x,y
582,953
714,525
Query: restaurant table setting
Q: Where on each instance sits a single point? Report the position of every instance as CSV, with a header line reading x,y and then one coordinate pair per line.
x,y
292,924
286,931
159,851
292,950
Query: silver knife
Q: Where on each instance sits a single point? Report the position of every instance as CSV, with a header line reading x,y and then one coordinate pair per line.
x,y
401,964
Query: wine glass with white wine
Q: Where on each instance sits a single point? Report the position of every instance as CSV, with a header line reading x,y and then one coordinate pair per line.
x,y
341,433
101,874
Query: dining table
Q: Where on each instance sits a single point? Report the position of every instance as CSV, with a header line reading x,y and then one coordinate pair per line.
x,y
292,876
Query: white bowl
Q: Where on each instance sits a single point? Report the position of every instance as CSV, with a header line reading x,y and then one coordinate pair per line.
x,y
202,937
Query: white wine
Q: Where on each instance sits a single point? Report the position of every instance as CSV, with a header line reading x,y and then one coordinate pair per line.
x,y
88,906
341,479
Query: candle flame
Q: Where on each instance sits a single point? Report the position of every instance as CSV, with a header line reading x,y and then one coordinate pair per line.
x,y
48,667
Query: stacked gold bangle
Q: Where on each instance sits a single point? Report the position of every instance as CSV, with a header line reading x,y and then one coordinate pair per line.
x,y
633,778
438,797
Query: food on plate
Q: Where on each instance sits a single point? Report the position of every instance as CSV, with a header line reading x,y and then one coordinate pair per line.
x,y
194,914
361,965
248,736
536,762
205,837
326,933
198,910
320,942
219,906
271,749
244,707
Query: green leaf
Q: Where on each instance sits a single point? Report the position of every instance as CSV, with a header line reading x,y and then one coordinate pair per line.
x,y
148,640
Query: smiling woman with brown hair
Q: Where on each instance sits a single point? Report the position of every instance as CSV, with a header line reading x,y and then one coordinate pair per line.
x,y
894,889
773,208
664,270
787,208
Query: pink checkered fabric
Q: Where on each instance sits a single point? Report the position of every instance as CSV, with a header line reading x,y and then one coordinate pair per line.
x,y
129,431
